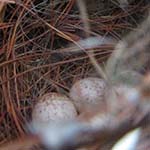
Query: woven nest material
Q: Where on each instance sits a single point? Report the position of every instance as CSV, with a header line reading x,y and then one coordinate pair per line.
x,y
32,62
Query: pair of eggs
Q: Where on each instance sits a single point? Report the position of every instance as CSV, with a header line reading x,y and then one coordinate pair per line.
x,y
85,93
54,107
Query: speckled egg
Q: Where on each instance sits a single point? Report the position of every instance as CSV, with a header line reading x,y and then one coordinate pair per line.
x,y
87,92
53,107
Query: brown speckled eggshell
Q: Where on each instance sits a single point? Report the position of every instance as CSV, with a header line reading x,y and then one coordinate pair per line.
x,y
53,107
88,91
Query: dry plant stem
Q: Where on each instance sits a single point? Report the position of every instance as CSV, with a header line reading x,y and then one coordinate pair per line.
x,y
84,17
47,80
135,44
61,34
118,128
8,1
38,67
102,129
24,143
58,32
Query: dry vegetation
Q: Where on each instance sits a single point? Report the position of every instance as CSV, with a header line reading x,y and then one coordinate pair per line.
x,y
40,52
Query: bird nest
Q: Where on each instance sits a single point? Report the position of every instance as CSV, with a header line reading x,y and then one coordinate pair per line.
x,y
40,51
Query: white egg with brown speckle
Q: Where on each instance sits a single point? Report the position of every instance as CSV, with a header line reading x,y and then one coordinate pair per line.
x,y
53,107
87,92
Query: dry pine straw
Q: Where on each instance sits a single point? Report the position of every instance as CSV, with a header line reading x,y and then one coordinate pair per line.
x,y
28,65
